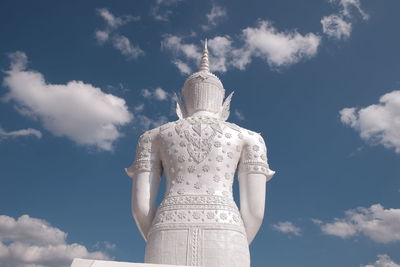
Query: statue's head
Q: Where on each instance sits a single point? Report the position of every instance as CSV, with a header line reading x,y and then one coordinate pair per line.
x,y
203,91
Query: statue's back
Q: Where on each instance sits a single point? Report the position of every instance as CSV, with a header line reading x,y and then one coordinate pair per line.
x,y
198,222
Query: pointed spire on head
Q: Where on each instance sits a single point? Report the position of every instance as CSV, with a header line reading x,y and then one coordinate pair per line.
x,y
204,65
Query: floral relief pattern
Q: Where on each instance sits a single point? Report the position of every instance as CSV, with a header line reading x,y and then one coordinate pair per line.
x,y
201,156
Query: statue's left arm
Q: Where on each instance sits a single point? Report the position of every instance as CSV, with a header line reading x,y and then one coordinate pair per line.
x,y
253,173
146,173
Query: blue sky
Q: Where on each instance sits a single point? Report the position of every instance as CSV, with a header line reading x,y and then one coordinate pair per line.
x,y
81,80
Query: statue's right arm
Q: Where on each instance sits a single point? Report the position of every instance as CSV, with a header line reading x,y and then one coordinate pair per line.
x,y
253,173
144,194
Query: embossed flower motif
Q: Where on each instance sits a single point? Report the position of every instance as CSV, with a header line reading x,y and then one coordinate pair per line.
x,y
263,157
181,215
228,135
217,144
181,158
256,148
261,140
230,155
210,191
206,168
196,215
182,144
197,185
223,216
179,179
227,176
181,191
235,218
143,154
220,158
169,216
216,178
240,135
210,215
191,168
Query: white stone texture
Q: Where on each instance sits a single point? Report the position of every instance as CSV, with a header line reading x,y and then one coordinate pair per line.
x,y
97,263
198,222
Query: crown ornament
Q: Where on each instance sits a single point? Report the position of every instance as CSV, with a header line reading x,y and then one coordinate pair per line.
x,y
203,91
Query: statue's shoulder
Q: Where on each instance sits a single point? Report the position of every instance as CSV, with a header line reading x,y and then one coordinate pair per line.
x,y
246,134
233,126
162,128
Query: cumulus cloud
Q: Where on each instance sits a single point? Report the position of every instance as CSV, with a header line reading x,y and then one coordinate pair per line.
x,y
110,34
377,123
383,261
339,25
287,228
278,49
28,242
77,110
217,13
379,224
22,132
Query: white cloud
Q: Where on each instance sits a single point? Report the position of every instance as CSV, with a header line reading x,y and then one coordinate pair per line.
x,y
157,94
379,224
32,242
217,13
23,132
182,67
110,34
378,123
348,5
239,115
335,26
287,228
102,36
160,94
162,9
114,22
175,44
339,25
124,45
279,49
144,122
76,110
339,228
383,261
221,53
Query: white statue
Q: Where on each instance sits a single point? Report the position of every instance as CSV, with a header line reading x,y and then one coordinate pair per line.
x,y
198,222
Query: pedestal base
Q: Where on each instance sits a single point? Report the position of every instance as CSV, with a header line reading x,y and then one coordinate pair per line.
x,y
96,263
